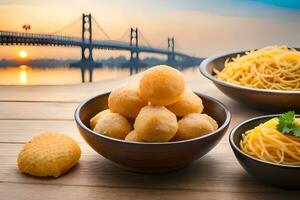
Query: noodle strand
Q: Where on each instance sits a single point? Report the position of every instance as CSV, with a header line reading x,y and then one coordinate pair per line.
x,y
265,142
274,67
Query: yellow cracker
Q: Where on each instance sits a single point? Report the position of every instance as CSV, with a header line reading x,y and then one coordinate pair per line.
x,y
48,154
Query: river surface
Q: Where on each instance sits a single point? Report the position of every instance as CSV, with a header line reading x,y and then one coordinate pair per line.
x,y
26,75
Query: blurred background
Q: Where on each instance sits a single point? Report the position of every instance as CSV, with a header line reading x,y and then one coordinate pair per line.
x,y
72,41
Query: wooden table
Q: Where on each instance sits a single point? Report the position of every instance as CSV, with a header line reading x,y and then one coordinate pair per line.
x,y
29,110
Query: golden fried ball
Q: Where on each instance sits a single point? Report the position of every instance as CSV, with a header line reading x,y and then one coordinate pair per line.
x,y
212,121
94,120
193,125
155,124
113,125
162,85
188,102
126,101
132,136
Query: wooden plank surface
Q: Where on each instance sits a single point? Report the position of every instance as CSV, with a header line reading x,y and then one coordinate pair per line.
x,y
37,191
29,110
20,131
211,173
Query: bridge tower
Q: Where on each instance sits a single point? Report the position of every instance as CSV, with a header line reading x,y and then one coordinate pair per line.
x,y
171,49
86,47
134,42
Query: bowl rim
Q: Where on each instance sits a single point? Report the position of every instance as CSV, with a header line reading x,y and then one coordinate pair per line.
x,y
223,126
203,70
235,147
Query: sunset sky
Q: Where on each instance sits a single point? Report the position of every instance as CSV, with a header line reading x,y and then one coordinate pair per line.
x,y
200,27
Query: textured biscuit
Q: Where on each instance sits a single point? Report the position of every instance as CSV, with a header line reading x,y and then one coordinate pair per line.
x,y
94,120
126,101
132,136
113,125
193,125
188,103
48,154
162,85
155,124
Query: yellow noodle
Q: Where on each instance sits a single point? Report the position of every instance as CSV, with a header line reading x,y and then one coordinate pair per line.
x,y
274,67
265,142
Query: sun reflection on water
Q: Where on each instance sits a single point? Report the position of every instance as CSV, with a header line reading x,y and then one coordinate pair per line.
x,y
61,75
23,74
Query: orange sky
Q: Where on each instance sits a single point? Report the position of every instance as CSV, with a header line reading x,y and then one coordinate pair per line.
x,y
199,30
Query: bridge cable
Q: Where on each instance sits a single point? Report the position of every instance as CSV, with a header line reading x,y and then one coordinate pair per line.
x,y
101,29
144,38
124,35
162,43
66,27
177,46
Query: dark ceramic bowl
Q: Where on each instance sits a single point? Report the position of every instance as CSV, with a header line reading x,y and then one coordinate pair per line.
x,y
150,157
279,100
285,176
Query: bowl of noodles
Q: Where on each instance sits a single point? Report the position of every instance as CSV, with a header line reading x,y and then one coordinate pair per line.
x,y
267,78
267,153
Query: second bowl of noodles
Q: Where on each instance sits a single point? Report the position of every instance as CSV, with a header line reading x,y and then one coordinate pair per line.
x,y
265,153
267,78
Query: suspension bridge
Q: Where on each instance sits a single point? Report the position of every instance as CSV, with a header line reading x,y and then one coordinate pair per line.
x,y
137,43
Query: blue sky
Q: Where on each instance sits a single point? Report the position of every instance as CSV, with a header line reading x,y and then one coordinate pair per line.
x,y
280,9
294,4
283,3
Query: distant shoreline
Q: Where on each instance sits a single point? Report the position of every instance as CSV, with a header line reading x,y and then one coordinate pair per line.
x,y
52,63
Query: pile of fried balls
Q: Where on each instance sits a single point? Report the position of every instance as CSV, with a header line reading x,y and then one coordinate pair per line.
x,y
159,109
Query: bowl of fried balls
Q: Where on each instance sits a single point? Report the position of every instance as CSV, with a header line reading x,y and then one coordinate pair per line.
x,y
153,126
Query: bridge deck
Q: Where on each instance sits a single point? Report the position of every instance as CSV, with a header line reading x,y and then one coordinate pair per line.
x,y
19,38
28,110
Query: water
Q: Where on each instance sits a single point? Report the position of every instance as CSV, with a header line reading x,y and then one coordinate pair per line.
x,y
26,75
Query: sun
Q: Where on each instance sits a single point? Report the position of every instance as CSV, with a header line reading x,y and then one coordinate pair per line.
x,y
23,54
